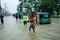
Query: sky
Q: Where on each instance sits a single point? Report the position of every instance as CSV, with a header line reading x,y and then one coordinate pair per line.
x,y
11,5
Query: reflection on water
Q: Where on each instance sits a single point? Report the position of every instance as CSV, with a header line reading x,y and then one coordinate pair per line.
x,y
15,30
1,26
32,36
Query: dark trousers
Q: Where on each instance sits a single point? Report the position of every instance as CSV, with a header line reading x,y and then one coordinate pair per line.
x,y
33,28
2,21
25,22
16,17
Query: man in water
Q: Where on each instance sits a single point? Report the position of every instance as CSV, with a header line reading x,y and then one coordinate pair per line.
x,y
25,17
32,22
2,20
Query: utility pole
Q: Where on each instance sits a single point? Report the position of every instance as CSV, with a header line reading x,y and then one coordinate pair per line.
x,y
0,6
5,9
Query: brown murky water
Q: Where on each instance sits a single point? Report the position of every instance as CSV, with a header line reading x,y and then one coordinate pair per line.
x,y
15,30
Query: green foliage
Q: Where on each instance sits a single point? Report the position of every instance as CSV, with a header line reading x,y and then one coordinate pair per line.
x,y
44,5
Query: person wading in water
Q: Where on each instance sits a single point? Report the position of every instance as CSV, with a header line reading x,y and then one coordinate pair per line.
x,y
32,22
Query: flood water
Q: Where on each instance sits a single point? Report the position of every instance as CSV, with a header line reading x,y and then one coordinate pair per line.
x,y
13,29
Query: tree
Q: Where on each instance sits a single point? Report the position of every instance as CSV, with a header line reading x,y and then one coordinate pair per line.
x,y
19,7
44,5
29,4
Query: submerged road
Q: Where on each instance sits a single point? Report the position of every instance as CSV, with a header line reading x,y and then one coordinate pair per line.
x,y
15,30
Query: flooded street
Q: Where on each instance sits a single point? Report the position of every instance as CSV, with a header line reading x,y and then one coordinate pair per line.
x,y
13,29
